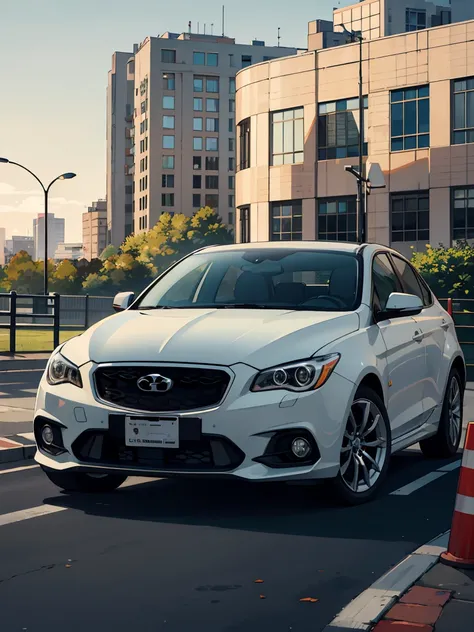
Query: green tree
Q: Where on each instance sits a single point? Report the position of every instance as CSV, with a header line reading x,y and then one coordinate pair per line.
x,y
64,278
448,271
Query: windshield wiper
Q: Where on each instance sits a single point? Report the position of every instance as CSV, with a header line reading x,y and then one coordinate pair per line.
x,y
148,307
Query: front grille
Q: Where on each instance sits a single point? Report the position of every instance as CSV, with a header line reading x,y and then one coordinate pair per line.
x,y
208,453
192,388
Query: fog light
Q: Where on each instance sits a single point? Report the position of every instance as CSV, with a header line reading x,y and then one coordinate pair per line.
x,y
300,448
47,435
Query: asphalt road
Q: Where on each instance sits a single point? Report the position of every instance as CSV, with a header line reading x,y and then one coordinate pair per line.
x,y
176,555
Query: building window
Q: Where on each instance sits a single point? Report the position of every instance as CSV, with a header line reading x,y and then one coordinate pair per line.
x,y
231,125
197,104
212,105
197,182
212,59
231,144
168,56
246,61
212,144
212,163
197,143
231,105
463,111
212,84
410,118
168,142
244,144
167,181
231,164
232,85
337,219
168,103
198,84
287,221
167,199
199,59
212,182
197,124
244,224
169,81
415,20
168,122
231,182
197,163
144,106
212,125
338,129
128,188
168,162
288,137
212,200
231,200
410,217
196,200
462,214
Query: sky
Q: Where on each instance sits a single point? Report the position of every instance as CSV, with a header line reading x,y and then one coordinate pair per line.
x,y
55,58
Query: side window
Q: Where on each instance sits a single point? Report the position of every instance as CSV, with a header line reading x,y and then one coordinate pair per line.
x,y
410,280
185,289
384,280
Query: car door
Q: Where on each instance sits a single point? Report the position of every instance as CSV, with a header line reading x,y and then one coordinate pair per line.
x,y
433,326
405,352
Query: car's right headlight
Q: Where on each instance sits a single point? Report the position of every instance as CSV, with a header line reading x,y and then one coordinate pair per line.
x,y
62,371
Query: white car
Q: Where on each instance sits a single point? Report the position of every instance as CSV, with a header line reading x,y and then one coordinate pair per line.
x,y
265,362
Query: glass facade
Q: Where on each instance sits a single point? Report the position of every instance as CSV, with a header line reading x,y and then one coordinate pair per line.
x,y
410,118
338,129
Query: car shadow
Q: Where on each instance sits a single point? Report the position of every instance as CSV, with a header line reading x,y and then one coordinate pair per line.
x,y
309,510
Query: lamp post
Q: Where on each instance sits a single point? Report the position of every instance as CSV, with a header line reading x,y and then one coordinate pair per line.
x,y
63,176
361,229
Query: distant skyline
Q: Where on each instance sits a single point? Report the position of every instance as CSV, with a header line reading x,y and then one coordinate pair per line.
x,y
56,62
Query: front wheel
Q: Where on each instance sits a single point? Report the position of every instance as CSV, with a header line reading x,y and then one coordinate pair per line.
x,y
365,451
82,482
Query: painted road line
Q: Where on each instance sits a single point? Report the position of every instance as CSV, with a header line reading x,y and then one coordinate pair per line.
x,y
414,486
23,468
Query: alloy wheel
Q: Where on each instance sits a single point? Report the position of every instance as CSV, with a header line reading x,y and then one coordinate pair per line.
x,y
364,447
454,411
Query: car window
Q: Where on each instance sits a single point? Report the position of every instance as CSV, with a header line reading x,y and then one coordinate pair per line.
x,y
384,279
411,284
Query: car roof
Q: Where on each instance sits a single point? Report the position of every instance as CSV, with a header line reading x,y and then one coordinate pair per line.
x,y
333,246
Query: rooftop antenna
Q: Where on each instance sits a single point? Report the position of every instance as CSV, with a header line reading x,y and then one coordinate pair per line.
x,y
223,20
189,26
204,28
279,38
212,28
198,28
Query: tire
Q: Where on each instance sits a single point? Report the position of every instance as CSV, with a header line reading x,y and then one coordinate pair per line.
x,y
445,442
376,457
81,482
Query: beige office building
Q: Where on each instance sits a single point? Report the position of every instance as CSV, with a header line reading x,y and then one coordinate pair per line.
x,y
298,128
94,230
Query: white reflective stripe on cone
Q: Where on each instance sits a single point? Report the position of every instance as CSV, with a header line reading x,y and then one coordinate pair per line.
x,y
465,505
468,459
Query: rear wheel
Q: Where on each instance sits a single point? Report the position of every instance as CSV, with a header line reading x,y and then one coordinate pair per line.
x,y
83,482
365,451
446,441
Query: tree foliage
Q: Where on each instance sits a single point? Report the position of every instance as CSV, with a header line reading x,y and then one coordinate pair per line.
x,y
448,271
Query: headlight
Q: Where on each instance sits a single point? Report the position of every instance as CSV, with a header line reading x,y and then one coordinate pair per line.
x,y
301,376
61,371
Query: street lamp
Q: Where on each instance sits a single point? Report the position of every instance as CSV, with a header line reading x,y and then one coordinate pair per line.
x,y
356,36
64,176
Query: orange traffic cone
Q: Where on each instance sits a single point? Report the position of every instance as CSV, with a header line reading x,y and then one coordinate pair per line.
x,y
460,551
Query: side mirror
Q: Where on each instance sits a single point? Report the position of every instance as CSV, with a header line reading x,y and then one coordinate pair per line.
x,y
123,300
399,305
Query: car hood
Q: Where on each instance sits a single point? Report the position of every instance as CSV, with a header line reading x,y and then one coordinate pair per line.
x,y
260,338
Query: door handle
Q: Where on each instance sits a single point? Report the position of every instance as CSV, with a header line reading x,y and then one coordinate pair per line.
x,y
418,336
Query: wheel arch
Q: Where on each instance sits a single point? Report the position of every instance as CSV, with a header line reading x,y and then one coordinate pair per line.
x,y
460,366
373,381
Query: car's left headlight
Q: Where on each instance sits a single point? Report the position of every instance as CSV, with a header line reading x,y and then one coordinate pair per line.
x,y
306,375
62,371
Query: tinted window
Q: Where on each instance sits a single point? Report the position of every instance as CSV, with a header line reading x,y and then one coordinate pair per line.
x,y
410,281
267,278
385,281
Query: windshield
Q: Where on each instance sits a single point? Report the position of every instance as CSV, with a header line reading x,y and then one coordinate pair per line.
x,y
259,279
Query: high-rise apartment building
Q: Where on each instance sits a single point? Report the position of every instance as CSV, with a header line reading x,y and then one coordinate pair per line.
x,y
56,227
2,246
19,243
94,230
181,149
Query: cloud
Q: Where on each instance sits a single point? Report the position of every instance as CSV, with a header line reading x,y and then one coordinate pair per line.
x,y
9,189
35,204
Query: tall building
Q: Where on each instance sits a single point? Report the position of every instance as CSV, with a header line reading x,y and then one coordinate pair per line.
x,y
2,246
119,133
298,122
94,230
19,243
55,235
72,252
181,150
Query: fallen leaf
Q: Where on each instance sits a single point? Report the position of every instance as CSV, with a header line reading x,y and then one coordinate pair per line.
x,y
258,581
262,597
309,599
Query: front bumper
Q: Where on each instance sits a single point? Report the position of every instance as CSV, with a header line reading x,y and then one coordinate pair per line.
x,y
238,438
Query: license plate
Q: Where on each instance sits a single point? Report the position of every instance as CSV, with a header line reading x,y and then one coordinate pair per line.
x,y
162,432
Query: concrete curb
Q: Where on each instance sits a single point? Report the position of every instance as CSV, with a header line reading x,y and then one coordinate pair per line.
x,y
369,607
20,447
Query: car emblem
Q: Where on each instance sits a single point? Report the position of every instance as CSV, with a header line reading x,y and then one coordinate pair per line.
x,y
155,383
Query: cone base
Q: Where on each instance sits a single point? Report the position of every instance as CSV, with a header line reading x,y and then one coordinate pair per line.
x,y
457,562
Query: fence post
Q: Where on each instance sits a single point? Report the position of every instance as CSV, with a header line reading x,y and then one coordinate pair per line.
x,y
13,322
57,320
86,318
